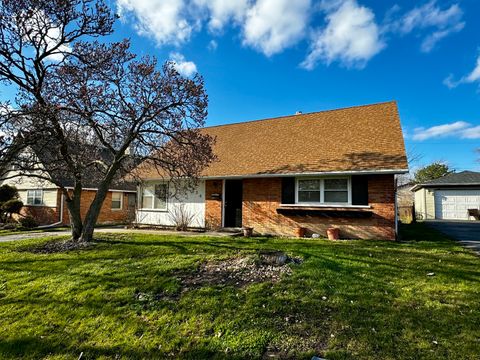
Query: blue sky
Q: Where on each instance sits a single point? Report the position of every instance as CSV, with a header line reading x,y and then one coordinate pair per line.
x,y
267,58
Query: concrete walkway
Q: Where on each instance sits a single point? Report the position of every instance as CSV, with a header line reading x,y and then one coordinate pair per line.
x,y
37,235
466,232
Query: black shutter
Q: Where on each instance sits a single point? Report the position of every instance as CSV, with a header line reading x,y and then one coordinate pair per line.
x,y
288,190
360,190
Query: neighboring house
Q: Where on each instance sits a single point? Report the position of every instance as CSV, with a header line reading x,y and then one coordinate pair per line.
x,y
314,171
405,195
449,197
44,200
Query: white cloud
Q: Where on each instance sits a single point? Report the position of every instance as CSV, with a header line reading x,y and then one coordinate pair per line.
x,y
431,40
269,26
184,67
273,25
472,133
35,27
459,129
212,45
164,21
221,11
351,36
473,76
429,16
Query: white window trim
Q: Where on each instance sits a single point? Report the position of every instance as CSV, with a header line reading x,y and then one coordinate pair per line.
x,y
41,198
140,200
121,201
322,191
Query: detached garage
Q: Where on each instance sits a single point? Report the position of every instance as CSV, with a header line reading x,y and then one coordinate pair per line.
x,y
452,197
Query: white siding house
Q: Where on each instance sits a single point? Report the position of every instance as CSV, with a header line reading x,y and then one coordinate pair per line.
x,y
159,204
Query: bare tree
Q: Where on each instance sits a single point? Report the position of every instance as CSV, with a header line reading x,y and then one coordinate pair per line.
x,y
93,109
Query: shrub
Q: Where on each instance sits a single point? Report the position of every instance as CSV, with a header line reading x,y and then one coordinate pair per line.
x,y
181,217
28,222
12,206
8,192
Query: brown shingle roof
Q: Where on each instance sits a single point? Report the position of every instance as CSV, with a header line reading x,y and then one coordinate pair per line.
x,y
362,138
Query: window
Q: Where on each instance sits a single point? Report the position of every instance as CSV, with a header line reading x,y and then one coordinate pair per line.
x,y
117,200
335,190
34,197
155,197
323,191
309,191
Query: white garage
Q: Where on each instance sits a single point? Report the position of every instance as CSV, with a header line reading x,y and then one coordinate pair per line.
x,y
449,197
454,204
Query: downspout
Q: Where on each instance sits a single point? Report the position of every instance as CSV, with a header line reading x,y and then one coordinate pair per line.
x,y
61,216
396,209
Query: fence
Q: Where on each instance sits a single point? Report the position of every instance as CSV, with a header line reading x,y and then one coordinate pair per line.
x,y
406,214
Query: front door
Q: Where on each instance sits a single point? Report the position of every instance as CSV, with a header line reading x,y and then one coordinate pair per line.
x,y
233,203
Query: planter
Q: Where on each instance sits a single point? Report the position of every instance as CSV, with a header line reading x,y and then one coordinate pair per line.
x,y
333,233
248,231
300,232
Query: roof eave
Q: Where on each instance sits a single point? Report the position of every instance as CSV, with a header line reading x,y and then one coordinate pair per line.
x,y
318,173
427,185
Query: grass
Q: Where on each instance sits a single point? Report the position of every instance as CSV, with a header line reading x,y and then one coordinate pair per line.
x,y
348,299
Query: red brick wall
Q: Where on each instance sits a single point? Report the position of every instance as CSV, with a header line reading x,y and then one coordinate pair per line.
x,y
107,215
44,215
213,205
262,197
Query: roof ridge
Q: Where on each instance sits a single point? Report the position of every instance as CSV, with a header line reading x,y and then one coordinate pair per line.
x,y
308,113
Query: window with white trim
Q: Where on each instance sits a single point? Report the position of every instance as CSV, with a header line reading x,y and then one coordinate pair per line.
x,y
155,197
34,197
117,200
324,191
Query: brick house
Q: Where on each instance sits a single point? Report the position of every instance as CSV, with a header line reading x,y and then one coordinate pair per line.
x,y
44,200
325,169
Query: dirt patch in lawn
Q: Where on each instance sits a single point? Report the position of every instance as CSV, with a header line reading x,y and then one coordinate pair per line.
x,y
241,271
238,271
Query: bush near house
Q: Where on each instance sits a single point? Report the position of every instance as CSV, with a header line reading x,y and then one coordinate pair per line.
x,y
151,296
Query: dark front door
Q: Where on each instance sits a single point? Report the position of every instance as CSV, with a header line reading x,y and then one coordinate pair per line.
x,y
233,203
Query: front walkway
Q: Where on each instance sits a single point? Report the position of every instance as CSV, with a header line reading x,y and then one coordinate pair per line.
x,y
42,234
466,232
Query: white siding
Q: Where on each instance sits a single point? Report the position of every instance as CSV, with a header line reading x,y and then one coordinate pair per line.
x,y
193,203
49,197
424,204
454,204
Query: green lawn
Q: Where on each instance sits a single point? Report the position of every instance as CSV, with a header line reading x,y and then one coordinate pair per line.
x,y
348,299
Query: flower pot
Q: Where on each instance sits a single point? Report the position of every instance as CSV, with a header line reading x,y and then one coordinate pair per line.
x,y
248,231
333,233
300,232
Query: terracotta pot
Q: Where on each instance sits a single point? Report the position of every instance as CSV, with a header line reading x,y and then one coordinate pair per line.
x,y
333,233
248,231
300,232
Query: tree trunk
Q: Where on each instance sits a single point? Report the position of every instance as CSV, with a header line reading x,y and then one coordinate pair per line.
x,y
96,205
73,205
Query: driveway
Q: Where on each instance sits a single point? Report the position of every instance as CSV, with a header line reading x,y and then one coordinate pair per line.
x,y
466,232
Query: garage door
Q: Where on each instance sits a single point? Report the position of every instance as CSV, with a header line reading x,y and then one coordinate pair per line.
x,y
453,204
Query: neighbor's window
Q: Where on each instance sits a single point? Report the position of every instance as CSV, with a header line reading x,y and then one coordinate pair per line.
x,y
323,191
34,197
117,200
155,197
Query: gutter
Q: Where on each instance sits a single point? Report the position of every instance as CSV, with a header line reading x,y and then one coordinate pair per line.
x,y
325,173
419,186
